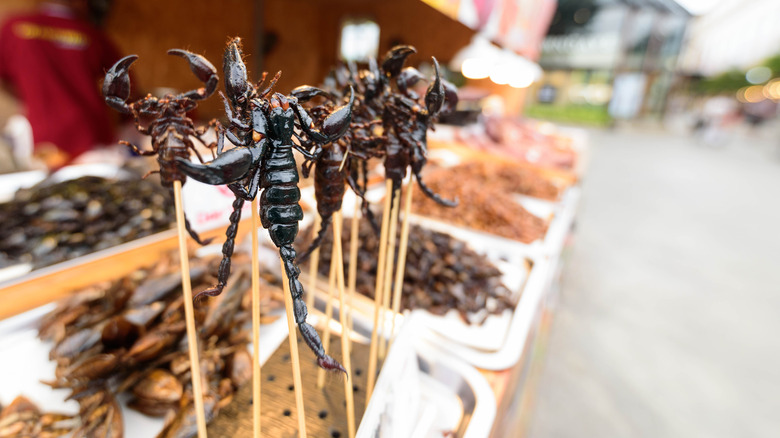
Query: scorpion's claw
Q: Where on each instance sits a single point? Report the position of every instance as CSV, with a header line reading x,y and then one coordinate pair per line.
x,y
228,167
233,67
337,123
395,59
203,70
450,96
116,86
434,97
305,93
407,79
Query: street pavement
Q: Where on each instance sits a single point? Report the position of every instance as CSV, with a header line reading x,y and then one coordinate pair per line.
x,y
669,316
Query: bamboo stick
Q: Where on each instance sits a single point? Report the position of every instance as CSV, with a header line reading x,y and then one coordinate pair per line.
x,y
296,364
345,330
398,287
255,320
372,355
390,261
189,313
353,259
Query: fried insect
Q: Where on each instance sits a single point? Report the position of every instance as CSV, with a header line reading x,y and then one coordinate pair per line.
x,y
406,121
336,163
164,119
264,159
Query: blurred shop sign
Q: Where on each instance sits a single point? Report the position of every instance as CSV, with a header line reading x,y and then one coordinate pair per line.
x,y
208,207
596,51
517,25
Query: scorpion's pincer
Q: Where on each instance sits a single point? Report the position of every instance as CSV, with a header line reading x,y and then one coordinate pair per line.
x,y
116,86
228,167
395,59
305,93
337,123
203,70
434,97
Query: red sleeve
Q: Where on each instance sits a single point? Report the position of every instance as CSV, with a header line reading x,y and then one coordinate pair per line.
x,y
5,46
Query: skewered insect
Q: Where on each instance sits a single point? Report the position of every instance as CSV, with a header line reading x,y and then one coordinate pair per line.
x,y
264,159
335,164
406,122
164,119
239,112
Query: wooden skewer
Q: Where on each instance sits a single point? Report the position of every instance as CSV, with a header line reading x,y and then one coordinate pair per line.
x,y
255,320
314,262
353,256
378,287
189,313
296,365
398,287
390,261
328,314
345,330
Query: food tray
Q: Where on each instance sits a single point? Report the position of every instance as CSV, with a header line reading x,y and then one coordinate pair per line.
x,y
423,392
498,342
27,363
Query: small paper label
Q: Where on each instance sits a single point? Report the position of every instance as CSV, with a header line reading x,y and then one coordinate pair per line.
x,y
208,207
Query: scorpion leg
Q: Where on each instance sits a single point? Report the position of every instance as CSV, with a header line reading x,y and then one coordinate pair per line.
x,y
116,86
136,149
365,207
227,251
308,332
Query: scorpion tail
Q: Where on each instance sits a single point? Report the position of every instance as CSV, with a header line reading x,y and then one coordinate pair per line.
x,y
365,207
190,231
317,240
194,235
433,195
309,334
227,252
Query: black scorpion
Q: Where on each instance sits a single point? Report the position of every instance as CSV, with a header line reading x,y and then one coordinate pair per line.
x,y
164,119
335,163
264,159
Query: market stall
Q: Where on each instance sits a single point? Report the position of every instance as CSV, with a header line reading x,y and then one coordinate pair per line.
x,y
417,289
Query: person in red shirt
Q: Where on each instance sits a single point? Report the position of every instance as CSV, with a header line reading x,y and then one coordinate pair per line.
x,y
53,61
